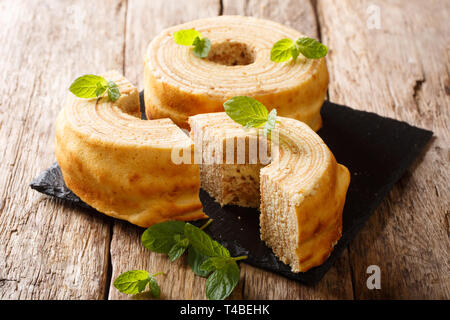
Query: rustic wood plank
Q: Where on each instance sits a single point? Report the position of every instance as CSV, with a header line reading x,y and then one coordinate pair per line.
x,y
48,250
400,70
262,285
298,14
145,19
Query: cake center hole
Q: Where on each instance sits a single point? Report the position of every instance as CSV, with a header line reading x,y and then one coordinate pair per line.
x,y
231,53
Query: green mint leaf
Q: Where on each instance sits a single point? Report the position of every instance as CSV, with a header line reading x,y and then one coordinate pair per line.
x,y
160,237
201,47
246,111
256,123
295,52
186,37
271,122
191,37
215,263
92,86
132,282
88,86
155,290
178,249
203,242
285,49
101,88
113,91
208,266
282,50
195,260
221,283
311,48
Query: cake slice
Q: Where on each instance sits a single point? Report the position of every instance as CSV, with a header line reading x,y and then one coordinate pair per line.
x,y
228,176
122,165
301,191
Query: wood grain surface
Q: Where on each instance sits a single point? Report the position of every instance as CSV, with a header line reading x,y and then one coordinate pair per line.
x,y
48,249
398,67
402,72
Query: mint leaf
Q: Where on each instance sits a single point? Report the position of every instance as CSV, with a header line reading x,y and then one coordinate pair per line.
x,y
160,237
132,282
191,37
178,249
113,91
282,50
201,47
101,88
285,49
250,113
195,260
135,281
186,37
92,86
255,123
215,263
271,121
203,242
155,290
221,282
246,111
295,52
311,48
88,86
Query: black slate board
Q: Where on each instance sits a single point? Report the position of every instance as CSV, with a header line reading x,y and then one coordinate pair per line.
x,y
376,150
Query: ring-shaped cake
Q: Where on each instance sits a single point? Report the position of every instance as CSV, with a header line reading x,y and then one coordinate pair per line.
x,y
178,84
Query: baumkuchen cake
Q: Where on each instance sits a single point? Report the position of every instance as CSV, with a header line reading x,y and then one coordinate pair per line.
x,y
178,84
121,165
302,191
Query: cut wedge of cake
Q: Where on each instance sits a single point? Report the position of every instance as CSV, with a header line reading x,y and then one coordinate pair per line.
x,y
122,165
302,190
229,177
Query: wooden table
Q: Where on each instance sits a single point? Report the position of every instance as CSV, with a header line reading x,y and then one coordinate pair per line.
x,y
389,57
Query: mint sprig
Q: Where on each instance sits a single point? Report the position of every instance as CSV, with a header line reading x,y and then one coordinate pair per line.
x,y
179,247
186,37
161,237
282,50
195,260
223,280
113,91
206,257
203,243
136,281
250,113
285,49
201,47
92,86
191,37
225,271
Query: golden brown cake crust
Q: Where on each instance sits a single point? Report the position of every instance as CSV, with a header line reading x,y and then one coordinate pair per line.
x,y
121,165
179,85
